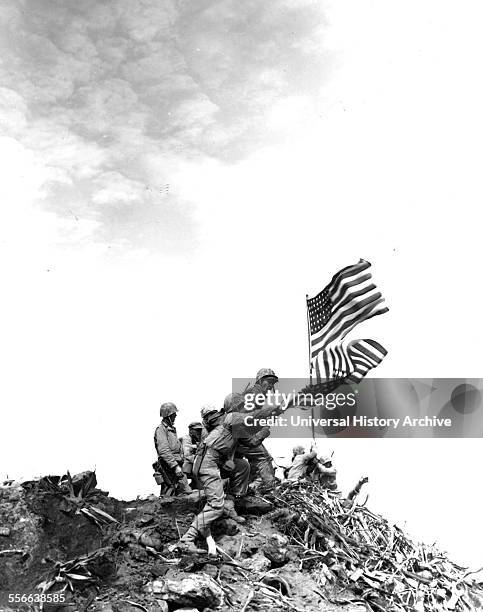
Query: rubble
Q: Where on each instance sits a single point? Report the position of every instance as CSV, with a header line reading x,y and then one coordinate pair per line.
x,y
195,589
350,544
258,563
276,549
313,551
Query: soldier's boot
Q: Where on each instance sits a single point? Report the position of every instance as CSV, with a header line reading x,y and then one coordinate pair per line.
x,y
266,474
187,542
230,512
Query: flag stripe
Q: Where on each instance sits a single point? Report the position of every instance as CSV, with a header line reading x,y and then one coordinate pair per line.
x,y
362,353
369,358
364,288
348,272
376,345
338,296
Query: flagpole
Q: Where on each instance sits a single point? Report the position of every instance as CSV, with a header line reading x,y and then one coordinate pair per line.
x,y
310,360
309,333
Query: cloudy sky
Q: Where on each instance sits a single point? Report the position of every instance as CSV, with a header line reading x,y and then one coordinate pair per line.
x,y
178,175
111,102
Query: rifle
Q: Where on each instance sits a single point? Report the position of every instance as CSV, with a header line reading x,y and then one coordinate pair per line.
x,y
168,478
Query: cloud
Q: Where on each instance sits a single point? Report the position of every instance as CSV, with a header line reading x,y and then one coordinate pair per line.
x,y
113,98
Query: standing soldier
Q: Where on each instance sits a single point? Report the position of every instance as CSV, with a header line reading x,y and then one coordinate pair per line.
x,y
189,444
169,449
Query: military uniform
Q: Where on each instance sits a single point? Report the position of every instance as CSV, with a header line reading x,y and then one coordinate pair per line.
x,y
218,451
298,469
170,454
189,451
326,475
258,457
189,445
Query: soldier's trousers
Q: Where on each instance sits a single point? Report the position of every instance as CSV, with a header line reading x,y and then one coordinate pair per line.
x,y
209,478
260,462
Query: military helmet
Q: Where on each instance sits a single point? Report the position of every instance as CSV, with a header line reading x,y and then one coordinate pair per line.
x,y
264,373
195,425
325,459
298,450
207,409
167,409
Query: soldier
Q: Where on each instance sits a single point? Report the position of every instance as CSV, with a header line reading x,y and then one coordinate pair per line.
x,y
189,444
260,460
216,456
300,463
169,449
232,468
325,473
211,417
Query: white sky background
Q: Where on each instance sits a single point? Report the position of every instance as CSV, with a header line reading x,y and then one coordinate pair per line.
x,y
295,137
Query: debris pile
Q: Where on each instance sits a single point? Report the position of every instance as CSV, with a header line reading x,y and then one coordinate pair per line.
x,y
347,543
301,549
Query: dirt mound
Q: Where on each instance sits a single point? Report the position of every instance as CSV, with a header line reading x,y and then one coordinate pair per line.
x,y
67,545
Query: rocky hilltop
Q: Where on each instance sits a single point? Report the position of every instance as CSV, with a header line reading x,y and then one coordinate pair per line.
x,y
67,545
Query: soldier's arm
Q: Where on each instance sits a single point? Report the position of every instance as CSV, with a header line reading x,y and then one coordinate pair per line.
x,y
164,452
265,412
308,456
327,471
257,438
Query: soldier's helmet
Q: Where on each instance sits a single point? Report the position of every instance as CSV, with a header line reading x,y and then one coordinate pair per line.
x,y
207,409
298,450
195,425
264,373
167,409
325,459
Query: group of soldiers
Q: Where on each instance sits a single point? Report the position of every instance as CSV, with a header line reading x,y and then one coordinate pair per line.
x,y
310,466
222,456
219,452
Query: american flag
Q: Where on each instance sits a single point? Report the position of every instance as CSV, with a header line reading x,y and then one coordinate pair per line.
x,y
364,355
350,298
349,362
